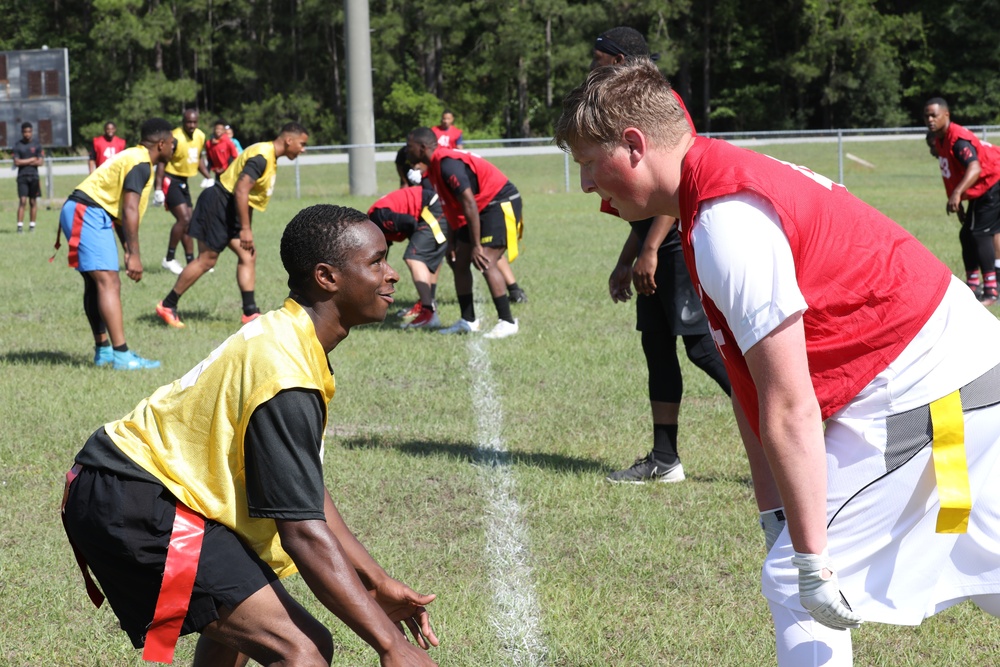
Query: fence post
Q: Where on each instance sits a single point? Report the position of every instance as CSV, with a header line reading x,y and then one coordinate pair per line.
x,y
840,155
566,168
48,182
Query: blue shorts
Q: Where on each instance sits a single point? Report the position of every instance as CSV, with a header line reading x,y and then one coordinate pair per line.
x,y
91,234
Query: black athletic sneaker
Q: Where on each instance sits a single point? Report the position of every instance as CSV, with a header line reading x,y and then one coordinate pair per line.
x,y
648,470
977,289
518,296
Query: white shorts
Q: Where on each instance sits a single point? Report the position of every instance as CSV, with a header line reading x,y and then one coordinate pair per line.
x,y
892,565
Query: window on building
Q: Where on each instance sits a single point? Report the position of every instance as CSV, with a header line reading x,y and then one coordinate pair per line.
x,y
35,83
51,80
45,131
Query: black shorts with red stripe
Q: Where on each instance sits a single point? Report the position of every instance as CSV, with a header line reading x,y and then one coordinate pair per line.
x,y
122,526
176,191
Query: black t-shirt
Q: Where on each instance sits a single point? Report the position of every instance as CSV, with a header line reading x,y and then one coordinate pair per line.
x,y
255,167
135,181
284,473
458,176
23,150
964,152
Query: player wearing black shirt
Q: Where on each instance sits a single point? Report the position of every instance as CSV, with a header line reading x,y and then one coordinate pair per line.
x,y
212,488
28,157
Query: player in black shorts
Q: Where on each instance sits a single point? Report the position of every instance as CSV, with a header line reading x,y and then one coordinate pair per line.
x,y
28,157
222,218
189,509
666,306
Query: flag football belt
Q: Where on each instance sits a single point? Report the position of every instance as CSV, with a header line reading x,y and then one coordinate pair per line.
x,y
74,239
941,425
435,226
179,572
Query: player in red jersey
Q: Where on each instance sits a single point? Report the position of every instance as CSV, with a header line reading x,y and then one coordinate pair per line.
x,y
414,214
484,212
448,136
872,427
105,147
970,170
220,149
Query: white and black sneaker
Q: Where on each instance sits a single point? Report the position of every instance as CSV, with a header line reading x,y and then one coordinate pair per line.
x,y
648,469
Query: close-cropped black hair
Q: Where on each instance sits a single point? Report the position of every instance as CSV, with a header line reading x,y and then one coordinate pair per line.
x,y
423,135
154,129
292,128
318,234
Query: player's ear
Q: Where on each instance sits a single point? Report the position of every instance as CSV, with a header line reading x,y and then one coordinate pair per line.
x,y
327,277
635,142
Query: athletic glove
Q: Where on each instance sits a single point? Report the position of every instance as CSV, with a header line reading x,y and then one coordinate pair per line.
x,y
158,197
207,183
772,522
822,597
414,176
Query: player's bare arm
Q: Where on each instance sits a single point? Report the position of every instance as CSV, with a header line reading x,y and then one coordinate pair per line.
x,y
471,211
241,196
643,274
620,280
397,600
792,431
972,172
130,235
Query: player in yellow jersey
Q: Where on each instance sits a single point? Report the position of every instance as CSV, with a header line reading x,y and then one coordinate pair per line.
x,y
189,509
110,202
172,189
223,214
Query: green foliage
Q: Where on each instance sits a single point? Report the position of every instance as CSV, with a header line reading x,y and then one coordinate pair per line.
x,y
263,119
404,109
154,95
503,67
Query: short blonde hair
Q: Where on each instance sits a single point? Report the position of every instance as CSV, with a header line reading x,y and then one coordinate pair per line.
x,y
617,97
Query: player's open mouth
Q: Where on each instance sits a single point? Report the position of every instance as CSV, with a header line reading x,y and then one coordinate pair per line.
x,y
388,296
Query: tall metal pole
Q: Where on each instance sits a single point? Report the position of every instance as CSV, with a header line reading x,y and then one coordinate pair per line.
x,y
360,104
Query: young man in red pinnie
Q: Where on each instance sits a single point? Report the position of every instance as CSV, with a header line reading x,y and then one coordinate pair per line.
x,y
871,426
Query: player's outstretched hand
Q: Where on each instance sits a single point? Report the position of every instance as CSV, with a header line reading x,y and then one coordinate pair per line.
x,y
158,197
620,283
820,595
403,605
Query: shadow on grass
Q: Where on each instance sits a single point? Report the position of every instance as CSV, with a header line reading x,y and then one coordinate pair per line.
x,y
189,315
45,358
736,480
472,454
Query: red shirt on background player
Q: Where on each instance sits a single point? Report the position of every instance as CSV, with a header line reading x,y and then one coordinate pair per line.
x,y
447,134
220,149
105,147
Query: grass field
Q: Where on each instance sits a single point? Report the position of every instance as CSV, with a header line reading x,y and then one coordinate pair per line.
x,y
604,575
